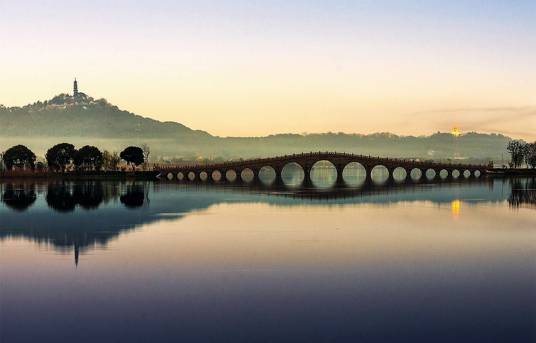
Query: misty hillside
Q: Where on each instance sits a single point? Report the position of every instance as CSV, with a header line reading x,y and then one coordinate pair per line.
x,y
87,121
84,117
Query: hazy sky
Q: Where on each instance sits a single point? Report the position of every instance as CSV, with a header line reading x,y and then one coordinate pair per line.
x,y
260,67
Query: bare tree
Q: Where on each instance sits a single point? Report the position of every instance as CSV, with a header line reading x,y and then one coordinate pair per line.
x,y
110,160
114,160
146,152
2,166
516,148
530,154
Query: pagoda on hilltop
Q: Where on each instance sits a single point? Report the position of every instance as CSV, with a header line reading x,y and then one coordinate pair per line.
x,y
76,94
75,88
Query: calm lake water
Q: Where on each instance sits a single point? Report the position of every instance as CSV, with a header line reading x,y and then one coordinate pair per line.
x,y
162,262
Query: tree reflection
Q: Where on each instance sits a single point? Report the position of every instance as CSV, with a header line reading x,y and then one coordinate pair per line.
x,y
523,192
89,195
134,197
19,197
84,229
60,197
65,196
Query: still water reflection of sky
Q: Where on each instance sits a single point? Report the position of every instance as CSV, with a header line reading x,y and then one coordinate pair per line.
x,y
163,262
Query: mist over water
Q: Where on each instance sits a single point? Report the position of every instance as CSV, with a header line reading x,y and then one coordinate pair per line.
x,y
146,261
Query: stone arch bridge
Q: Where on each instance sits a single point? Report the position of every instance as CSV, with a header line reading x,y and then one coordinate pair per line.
x,y
247,171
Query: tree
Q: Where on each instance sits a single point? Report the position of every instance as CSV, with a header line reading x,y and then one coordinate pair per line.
x,y
40,166
115,160
2,165
133,155
530,154
146,152
19,156
516,149
88,158
60,155
110,160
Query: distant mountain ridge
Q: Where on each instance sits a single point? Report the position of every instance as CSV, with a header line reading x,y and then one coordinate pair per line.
x,y
84,120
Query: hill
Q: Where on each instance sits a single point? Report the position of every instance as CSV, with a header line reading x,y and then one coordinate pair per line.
x,y
84,120
84,117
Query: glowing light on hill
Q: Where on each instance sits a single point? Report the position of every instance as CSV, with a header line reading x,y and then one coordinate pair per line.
x,y
455,132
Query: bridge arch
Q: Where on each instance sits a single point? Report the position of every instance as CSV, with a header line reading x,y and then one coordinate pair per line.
x,y
292,174
415,174
267,175
247,175
399,174
216,175
323,174
231,175
354,174
430,174
379,174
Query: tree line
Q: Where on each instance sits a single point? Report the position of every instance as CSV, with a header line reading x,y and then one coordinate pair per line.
x,y
521,152
64,157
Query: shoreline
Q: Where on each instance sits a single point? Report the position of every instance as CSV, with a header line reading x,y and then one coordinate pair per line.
x,y
92,175
153,175
511,172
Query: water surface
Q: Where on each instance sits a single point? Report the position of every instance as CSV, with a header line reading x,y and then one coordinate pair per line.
x,y
162,262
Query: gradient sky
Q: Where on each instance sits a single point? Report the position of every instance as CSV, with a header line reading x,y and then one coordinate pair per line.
x,y
241,68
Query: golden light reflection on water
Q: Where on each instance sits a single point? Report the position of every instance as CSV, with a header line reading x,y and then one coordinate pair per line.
x,y
455,208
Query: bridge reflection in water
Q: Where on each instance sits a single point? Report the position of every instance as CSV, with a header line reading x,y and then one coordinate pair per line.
x,y
322,170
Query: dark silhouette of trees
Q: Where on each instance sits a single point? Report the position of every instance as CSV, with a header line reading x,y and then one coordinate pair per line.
x,y
133,155
516,149
88,158
60,155
530,154
522,152
19,156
